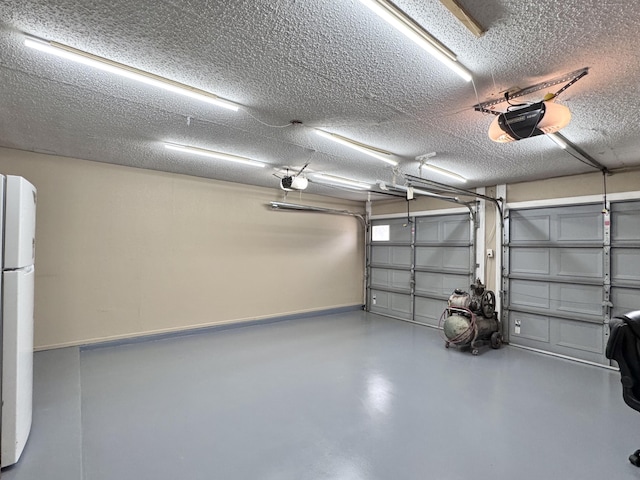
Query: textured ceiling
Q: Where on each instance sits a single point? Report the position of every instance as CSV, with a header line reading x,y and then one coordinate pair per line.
x,y
330,64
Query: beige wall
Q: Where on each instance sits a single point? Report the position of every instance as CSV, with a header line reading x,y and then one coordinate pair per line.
x,y
124,252
574,186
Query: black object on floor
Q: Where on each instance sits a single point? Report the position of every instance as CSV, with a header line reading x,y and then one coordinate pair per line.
x,y
624,347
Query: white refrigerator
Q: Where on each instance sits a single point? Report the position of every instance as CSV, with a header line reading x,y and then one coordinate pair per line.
x,y
17,231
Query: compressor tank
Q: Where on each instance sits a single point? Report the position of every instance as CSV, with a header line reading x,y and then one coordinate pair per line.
x,y
457,329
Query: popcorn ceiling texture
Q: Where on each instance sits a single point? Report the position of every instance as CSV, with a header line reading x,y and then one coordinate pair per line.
x,y
333,65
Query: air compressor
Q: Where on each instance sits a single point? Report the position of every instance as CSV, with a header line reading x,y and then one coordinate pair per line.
x,y
471,320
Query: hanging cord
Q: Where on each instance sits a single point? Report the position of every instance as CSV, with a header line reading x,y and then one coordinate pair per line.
x,y
475,89
245,110
465,336
604,200
506,97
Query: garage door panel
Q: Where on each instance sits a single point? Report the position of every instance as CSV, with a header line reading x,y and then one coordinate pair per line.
x,y
531,261
382,278
586,263
625,264
380,300
575,226
625,222
428,230
565,337
580,336
529,327
439,284
428,310
560,299
455,231
450,258
381,255
438,230
624,300
525,293
557,262
528,228
456,259
400,232
401,256
572,224
391,255
389,303
401,304
580,299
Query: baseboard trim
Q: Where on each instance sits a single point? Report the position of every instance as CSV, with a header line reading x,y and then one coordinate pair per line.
x,y
217,327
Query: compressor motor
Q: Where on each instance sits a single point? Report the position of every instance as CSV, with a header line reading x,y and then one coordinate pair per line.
x,y
471,320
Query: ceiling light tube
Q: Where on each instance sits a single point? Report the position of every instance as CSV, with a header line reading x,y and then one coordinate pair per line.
x,y
342,181
444,172
107,65
360,147
559,141
404,24
211,154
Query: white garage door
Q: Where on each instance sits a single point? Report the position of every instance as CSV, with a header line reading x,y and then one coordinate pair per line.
x,y
555,275
390,268
414,269
625,257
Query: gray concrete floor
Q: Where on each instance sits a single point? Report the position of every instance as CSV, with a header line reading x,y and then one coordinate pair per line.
x,y
351,396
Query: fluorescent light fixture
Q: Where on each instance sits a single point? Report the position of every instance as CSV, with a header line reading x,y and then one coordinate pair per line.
x,y
559,141
211,154
360,147
444,172
341,181
107,65
404,24
418,191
